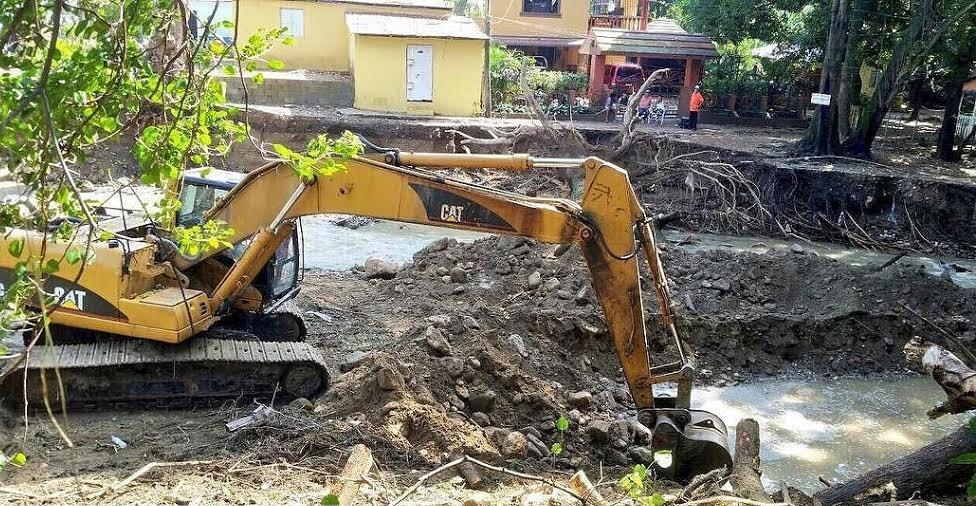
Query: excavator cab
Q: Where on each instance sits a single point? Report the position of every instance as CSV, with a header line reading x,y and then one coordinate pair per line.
x,y
279,280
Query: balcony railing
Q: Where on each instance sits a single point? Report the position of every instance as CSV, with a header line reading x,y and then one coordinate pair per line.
x,y
621,22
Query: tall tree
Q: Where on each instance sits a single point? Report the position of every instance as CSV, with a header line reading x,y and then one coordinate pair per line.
x,y
960,61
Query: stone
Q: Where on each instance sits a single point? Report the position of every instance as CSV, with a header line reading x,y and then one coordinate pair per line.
x,y
478,499
474,363
470,323
530,430
796,248
453,366
481,419
514,444
550,284
722,285
437,342
604,401
621,434
458,290
575,416
380,268
534,499
769,306
439,320
616,457
598,430
389,379
641,455
483,400
442,271
446,279
581,399
564,294
582,296
537,447
459,275
518,399
518,344
352,360
534,280
503,268
439,245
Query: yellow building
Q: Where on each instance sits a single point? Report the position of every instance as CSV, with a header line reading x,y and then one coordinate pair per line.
x,y
551,29
410,56
417,65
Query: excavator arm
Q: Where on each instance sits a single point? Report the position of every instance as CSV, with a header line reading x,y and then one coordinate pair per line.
x,y
608,225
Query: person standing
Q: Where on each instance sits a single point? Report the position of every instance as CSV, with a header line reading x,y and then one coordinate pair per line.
x,y
697,99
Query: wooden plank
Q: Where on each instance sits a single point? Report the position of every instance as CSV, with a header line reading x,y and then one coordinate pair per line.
x,y
359,463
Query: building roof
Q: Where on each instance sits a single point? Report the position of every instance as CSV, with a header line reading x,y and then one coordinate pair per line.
x,y
529,40
451,27
428,4
663,37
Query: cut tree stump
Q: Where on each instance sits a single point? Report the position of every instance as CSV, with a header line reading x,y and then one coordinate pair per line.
x,y
952,374
745,463
358,465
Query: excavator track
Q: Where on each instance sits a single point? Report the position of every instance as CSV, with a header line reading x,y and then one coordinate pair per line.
x,y
216,365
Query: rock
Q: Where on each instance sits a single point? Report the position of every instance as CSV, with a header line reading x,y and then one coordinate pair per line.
x,y
439,320
519,344
478,499
470,323
582,298
441,271
380,268
581,399
604,401
616,457
641,455
550,284
534,280
453,366
575,416
621,434
503,268
561,498
518,399
796,248
350,361
536,447
439,245
514,445
459,275
389,379
458,290
564,294
598,430
301,404
483,400
437,342
706,284
481,419
769,306
474,363
532,430
722,285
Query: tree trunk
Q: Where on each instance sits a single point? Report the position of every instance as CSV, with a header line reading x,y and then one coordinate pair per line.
x,y
745,466
821,137
849,85
946,143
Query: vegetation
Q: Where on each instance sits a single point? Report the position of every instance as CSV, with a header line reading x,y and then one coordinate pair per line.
x,y
506,67
635,484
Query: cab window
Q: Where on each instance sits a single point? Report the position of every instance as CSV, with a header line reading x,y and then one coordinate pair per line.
x,y
197,200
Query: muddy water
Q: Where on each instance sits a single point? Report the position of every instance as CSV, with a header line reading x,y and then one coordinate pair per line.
x,y
834,428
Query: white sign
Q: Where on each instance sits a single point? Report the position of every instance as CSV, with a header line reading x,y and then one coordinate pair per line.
x,y
820,98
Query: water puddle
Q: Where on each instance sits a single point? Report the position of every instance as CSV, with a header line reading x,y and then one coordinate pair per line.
x,y
834,428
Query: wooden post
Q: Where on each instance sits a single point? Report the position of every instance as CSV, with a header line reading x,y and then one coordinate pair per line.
x,y
598,63
487,85
745,464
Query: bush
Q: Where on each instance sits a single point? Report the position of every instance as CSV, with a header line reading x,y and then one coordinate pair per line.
x,y
504,68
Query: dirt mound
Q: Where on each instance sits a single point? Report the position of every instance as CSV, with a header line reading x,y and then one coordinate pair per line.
x,y
496,339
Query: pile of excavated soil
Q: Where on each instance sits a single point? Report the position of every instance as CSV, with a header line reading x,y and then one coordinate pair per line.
x,y
480,347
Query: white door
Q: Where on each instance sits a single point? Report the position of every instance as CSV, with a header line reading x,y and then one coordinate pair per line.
x,y
420,73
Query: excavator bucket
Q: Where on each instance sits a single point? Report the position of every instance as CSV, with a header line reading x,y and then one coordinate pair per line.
x,y
697,440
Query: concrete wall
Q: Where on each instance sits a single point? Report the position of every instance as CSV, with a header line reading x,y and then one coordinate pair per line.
x,y
292,91
572,21
381,82
325,44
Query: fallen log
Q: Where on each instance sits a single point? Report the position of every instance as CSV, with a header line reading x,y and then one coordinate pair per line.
x,y
745,463
927,469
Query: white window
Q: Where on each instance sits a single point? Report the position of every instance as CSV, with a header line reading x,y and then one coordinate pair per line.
x,y
294,21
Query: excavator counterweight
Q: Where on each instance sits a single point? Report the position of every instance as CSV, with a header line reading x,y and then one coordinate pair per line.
x,y
143,323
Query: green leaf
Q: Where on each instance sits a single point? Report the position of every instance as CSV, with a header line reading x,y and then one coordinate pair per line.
x,y
104,235
73,255
258,79
288,41
51,266
16,247
562,423
18,459
556,448
965,458
276,64
229,70
282,150
330,500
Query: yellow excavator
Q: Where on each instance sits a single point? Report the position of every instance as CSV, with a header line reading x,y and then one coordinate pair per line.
x,y
143,323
